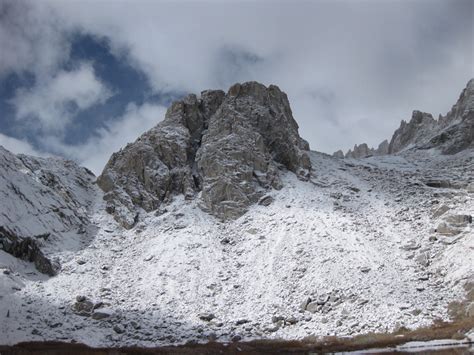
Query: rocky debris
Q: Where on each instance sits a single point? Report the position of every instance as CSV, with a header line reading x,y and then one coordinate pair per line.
x,y
459,220
102,313
236,338
265,201
323,303
27,249
305,303
83,306
118,329
242,321
470,188
230,147
439,184
207,317
440,211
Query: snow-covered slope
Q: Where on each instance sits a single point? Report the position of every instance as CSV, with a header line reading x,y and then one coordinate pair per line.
x,y
44,206
358,248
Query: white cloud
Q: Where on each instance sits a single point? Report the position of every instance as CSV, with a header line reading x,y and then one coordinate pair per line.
x,y
95,152
381,59
32,38
54,101
18,146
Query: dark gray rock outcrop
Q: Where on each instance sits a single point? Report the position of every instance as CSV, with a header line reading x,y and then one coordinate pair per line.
x,y
27,249
228,147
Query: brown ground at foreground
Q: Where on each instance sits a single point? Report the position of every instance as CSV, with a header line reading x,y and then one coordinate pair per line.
x,y
440,330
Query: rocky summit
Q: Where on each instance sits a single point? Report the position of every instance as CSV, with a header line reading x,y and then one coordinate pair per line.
x,y
449,134
227,150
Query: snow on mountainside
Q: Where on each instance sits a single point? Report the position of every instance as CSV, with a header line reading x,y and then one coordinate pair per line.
x,y
199,238
43,206
355,249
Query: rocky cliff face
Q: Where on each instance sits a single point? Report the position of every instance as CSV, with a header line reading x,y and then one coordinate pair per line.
x,y
450,134
419,128
44,204
227,147
457,127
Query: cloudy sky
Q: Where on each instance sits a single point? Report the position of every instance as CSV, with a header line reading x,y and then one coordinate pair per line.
x,y
82,78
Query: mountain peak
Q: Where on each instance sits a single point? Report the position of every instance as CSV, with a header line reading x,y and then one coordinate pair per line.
x,y
228,148
450,134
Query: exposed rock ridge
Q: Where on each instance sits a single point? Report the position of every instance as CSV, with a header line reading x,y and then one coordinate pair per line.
x,y
457,132
419,128
450,134
227,146
363,151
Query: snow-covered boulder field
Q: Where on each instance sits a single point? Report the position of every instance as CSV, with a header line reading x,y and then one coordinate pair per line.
x,y
220,224
353,250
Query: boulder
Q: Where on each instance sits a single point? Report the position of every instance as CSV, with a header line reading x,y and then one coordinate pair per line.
x,y
459,220
206,316
265,201
83,306
440,211
447,230
102,313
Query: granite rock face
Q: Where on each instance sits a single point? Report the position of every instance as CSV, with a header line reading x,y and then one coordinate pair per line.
x,y
227,147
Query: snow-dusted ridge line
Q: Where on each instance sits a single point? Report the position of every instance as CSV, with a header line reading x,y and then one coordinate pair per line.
x,y
359,241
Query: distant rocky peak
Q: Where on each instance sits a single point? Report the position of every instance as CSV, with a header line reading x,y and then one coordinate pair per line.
x,y
420,126
449,134
363,151
226,148
465,104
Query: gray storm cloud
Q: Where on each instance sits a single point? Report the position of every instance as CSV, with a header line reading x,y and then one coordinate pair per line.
x,y
352,69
